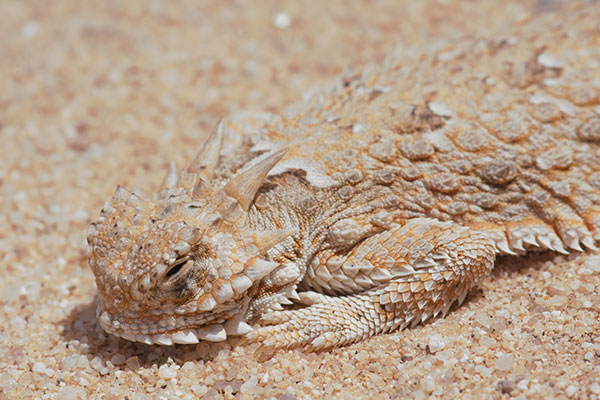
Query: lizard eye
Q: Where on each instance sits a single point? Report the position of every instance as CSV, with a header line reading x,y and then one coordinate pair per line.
x,y
178,269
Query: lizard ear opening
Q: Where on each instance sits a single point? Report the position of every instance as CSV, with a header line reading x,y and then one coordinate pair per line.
x,y
243,186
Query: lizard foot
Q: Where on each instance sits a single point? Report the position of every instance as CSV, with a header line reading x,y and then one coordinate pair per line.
x,y
333,322
427,265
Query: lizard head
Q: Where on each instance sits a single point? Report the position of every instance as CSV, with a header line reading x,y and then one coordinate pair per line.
x,y
178,268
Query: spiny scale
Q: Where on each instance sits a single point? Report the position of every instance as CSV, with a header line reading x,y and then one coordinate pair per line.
x,y
374,204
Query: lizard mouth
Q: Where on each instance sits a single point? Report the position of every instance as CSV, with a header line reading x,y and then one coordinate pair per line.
x,y
169,331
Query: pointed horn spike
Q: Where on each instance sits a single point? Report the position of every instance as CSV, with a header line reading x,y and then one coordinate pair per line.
x,y
207,158
237,327
185,337
294,295
187,180
258,268
144,338
243,186
139,192
134,200
162,339
212,333
121,195
201,189
171,178
266,239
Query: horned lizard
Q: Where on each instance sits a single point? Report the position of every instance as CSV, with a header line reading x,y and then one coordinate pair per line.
x,y
373,204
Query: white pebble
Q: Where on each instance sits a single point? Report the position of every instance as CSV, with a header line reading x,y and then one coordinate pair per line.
x,y
429,383
265,378
69,362
504,363
30,29
440,108
69,393
97,364
549,61
523,384
589,356
39,367
358,128
436,343
595,388
166,372
483,371
282,20
250,385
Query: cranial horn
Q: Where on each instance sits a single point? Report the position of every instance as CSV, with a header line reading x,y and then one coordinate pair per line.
x,y
266,239
121,195
138,192
170,180
206,160
243,186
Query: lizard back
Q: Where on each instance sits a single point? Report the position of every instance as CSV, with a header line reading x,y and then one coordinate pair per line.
x,y
510,147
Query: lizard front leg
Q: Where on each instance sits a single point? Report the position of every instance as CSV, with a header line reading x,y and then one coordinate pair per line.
x,y
426,266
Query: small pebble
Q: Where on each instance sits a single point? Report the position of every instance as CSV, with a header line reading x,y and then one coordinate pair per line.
x,y
549,61
133,363
69,393
118,359
504,363
523,384
506,386
483,319
557,301
39,367
30,29
250,385
167,372
97,364
68,363
419,395
436,343
282,20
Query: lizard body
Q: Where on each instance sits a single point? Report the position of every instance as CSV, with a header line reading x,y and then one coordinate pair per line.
x,y
376,203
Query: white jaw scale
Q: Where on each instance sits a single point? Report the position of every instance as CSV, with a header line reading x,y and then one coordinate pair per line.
x,y
236,326
209,333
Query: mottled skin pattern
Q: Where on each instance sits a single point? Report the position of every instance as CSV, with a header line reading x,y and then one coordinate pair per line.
x,y
374,204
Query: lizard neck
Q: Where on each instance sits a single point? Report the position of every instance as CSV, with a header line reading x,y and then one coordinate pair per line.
x,y
335,217
288,201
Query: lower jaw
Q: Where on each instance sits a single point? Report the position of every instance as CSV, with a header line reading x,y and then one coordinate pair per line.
x,y
211,332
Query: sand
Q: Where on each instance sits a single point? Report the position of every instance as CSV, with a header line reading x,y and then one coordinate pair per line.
x,y
95,94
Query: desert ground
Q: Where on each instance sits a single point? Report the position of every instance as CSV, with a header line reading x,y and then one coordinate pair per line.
x,y
95,94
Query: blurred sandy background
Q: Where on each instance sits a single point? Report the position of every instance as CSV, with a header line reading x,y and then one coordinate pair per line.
x,y
97,93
